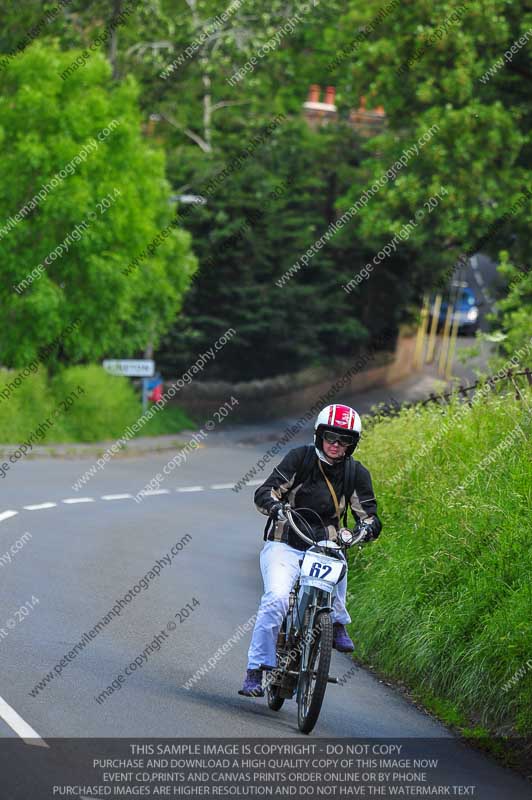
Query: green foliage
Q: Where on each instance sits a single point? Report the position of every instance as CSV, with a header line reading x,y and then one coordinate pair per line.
x,y
481,152
106,407
514,310
443,600
252,229
45,123
24,406
103,406
170,419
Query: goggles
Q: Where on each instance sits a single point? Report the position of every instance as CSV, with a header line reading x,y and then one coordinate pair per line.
x,y
345,439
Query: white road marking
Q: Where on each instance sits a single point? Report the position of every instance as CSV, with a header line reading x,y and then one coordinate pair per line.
x,y
479,279
72,500
20,727
75,500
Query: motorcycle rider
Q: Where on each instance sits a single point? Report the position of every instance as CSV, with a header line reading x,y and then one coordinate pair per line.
x,y
336,435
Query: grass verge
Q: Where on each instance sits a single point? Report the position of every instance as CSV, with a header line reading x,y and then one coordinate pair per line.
x,y
443,600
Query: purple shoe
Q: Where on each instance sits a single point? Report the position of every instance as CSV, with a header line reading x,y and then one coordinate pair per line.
x,y
341,640
252,684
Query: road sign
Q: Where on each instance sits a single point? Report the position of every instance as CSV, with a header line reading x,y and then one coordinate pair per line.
x,y
130,368
196,199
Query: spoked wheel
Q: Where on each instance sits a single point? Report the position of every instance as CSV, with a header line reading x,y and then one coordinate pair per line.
x,y
313,682
275,701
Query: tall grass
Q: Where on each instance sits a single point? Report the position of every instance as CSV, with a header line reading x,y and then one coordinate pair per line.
x,y
443,599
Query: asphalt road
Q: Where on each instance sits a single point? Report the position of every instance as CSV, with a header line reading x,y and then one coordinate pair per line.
x,y
82,557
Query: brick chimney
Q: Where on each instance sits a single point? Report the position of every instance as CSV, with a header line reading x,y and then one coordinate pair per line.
x,y
367,122
330,94
320,113
314,93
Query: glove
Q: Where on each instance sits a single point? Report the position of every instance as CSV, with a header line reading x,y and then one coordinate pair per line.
x,y
276,513
369,527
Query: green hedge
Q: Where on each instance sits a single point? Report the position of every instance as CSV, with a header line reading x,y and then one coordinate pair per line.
x,y
25,401
443,600
101,408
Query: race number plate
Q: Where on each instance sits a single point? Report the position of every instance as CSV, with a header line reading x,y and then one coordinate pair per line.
x,y
321,567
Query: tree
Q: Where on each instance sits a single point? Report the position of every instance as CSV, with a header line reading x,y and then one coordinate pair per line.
x,y
91,195
251,231
514,310
427,64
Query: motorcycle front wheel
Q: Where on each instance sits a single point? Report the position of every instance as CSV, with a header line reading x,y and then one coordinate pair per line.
x,y
313,682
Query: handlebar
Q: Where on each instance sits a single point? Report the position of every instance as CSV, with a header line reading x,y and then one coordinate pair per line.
x,y
289,516
360,539
288,512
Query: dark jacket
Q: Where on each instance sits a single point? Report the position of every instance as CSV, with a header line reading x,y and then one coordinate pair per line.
x,y
314,494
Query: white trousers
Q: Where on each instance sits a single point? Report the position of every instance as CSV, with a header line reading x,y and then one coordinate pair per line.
x,y
279,564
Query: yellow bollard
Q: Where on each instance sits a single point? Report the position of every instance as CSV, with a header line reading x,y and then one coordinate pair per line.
x,y
445,340
421,333
433,329
452,348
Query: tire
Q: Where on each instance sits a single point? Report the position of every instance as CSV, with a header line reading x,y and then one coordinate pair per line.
x,y
275,702
310,694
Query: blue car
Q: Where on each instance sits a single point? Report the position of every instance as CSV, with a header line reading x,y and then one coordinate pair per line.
x,y
466,309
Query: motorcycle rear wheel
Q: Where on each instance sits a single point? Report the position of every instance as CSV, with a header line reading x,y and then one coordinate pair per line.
x,y
275,701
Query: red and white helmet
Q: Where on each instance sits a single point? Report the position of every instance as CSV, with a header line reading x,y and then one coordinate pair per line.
x,y
338,418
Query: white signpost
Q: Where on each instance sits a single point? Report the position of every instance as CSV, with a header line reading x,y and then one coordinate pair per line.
x,y
196,199
130,367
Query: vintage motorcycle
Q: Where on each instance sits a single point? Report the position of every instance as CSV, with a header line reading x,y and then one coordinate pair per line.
x,y
304,643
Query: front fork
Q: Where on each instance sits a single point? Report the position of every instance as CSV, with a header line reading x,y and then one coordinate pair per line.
x,y
292,640
315,602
